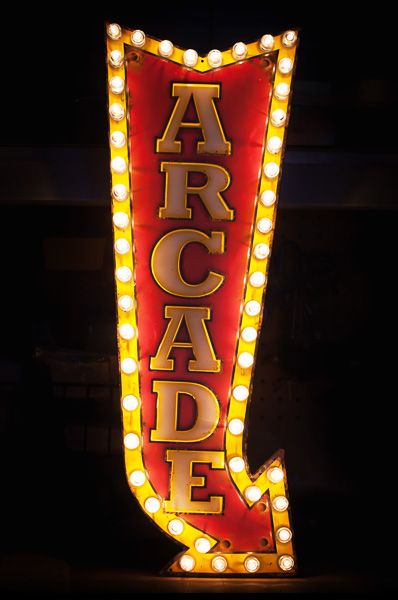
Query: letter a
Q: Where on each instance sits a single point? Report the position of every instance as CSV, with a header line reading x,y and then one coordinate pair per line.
x,y
208,119
200,343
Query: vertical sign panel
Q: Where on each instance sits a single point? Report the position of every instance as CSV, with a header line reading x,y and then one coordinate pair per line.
x,y
196,147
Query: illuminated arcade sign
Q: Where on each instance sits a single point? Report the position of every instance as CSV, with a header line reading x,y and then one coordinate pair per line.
x,y
196,146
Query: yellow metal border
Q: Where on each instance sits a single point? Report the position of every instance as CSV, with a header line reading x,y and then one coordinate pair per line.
x,y
130,385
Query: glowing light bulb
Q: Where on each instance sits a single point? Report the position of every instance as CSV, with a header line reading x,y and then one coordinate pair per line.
x,y
280,503
120,192
119,165
252,308
236,426
264,225
122,246
285,65
202,545
257,279
190,58
245,360
126,331
278,117
128,366
131,441
286,562
116,59
267,42
282,91
152,505
252,564
253,493
137,478
236,464
118,139
126,303
117,85
114,31
284,535
138,38
116,112
268,198
240,393
130,402
175,526
289,38
275,474
214,58
274,144
124,274
261,251
219,564
239,51
166,48
248,334
187,563
271,170
121,220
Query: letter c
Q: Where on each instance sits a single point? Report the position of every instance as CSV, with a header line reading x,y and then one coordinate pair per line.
x,y
166,262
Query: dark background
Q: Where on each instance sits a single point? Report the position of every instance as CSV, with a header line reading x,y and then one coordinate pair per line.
x,y
324,385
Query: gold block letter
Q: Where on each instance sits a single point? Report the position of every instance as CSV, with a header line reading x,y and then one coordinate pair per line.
x,y
200,342
208,120
166,262
182,481
177,188
168,399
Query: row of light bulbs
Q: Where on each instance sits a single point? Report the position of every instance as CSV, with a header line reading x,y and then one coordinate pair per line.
x,y
122,246
249,334
214,57
219,563
124,274
257,279
245,360
121,221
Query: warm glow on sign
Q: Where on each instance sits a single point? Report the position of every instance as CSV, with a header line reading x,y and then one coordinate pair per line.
x,y
196,144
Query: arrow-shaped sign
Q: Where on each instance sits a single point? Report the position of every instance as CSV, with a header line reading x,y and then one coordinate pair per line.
x,y
196,146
